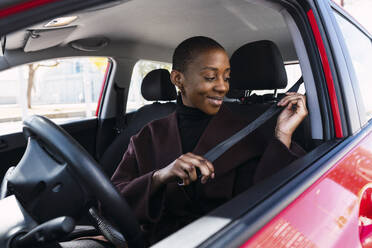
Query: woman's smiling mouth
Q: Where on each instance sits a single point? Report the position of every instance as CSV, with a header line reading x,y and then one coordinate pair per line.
x,y
215,100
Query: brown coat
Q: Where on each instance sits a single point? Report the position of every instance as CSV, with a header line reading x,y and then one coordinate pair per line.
x,y
158,144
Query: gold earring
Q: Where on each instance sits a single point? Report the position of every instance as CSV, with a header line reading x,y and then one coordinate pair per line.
x,y
182,90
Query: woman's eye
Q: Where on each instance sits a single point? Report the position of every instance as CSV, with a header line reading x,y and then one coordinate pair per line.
x,y
209,78
227,79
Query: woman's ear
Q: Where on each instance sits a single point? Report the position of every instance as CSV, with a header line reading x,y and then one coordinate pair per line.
x,y
177,79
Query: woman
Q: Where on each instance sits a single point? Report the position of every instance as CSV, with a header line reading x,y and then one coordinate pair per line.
x,y
170,149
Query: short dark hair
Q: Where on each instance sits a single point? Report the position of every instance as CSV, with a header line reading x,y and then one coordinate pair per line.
x,y
186,51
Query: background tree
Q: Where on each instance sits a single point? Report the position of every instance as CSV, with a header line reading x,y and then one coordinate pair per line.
x,y
32,68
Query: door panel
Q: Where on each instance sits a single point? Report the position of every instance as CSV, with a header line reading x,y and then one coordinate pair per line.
x,y
12,151
105,136
84,131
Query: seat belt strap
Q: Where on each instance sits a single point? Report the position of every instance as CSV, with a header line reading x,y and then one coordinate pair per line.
x,y
222,147
297,85
120,115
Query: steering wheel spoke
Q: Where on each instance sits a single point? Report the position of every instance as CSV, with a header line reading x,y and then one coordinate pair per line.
x,y
107,229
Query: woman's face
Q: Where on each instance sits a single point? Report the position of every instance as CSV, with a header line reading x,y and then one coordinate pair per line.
x,y
206,81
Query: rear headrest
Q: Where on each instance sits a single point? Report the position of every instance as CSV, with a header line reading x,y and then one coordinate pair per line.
x,y
257,66
157,86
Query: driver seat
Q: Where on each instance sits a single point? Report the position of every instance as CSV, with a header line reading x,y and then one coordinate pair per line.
x,y
156,86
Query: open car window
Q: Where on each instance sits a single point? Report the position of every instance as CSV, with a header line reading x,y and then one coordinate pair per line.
x,y
60,89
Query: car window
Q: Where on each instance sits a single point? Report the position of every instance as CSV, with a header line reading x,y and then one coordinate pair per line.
x,y
360,50
140,70
60,89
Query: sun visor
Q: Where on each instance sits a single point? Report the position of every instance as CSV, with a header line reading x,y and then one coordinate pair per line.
x,y
44,38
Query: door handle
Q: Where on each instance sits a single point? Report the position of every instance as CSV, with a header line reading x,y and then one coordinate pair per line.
x,y
365,217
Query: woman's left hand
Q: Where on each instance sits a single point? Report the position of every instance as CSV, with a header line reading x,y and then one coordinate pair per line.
x,y
290,118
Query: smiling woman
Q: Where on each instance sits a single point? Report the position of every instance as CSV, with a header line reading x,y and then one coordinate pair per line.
x,y
153,183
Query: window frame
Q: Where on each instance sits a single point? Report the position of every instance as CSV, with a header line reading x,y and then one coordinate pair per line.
x,y
349,68
105,85
346,17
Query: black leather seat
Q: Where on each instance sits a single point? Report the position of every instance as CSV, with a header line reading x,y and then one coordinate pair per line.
x,y
259,66
156,86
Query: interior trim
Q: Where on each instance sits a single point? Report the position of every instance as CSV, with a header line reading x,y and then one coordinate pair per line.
x,y
106,78
186,237
311,93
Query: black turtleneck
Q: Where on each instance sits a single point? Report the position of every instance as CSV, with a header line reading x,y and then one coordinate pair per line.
x,y
191,124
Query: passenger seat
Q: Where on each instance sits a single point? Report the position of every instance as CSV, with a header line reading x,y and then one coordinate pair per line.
x,y
156,86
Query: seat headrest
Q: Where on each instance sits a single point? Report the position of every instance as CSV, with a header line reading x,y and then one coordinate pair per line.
x,y
157,86
257,66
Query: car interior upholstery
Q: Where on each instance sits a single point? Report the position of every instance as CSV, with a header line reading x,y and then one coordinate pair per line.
x,y
156,86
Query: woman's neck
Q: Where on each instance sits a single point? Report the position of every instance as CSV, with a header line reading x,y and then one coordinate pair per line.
x,y
191,123
189,112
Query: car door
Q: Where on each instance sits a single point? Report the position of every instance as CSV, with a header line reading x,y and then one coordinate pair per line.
x,y
328,204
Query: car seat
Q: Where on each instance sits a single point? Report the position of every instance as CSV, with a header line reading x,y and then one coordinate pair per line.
x,y
156,86
259,66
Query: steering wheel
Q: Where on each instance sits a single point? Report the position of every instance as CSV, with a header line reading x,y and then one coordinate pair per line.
x,y
89,173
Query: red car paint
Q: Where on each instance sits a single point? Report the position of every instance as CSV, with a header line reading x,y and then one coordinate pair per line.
x,y
104,81
328,75
336,204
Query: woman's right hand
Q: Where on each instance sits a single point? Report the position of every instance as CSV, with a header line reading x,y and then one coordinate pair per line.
x,y
184,168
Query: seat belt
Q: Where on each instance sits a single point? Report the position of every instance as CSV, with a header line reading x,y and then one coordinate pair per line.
x,y
120,116
222,147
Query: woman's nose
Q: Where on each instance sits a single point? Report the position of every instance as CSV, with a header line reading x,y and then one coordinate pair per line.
x,y
221,85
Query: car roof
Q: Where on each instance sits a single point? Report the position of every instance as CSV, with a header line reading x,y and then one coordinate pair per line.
x,y
151,29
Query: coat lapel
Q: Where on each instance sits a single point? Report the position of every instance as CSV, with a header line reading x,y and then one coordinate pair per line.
x,y
167,141
173,147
